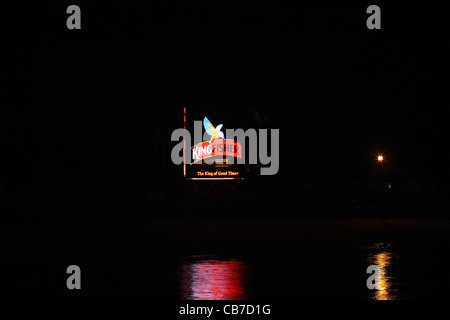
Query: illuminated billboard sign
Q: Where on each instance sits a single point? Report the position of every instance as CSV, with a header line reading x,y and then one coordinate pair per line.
x,y
208,153
212,156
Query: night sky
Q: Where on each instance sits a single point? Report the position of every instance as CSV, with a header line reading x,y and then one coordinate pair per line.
x,y
93,109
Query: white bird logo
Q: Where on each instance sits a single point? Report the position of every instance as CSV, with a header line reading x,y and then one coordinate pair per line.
x,y
215,133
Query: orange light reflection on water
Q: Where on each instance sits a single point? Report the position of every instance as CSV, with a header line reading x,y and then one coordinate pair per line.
x,y
383,259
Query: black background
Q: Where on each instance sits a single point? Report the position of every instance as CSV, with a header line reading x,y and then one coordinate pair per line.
x,y
86,115
88,105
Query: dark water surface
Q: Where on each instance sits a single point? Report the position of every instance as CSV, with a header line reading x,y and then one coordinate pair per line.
x,y
230,259
316,275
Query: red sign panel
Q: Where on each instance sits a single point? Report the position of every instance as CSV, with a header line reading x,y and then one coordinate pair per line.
x,y
217,148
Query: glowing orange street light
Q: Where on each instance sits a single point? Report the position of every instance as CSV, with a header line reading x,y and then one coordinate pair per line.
x,y
380,158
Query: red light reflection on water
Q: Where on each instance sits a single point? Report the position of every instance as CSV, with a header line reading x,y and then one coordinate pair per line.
x,y
213,280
